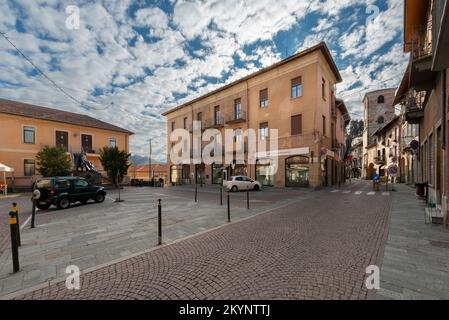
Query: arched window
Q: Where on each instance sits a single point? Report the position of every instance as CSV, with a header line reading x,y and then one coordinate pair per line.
x,y
380,99
380,120
265,172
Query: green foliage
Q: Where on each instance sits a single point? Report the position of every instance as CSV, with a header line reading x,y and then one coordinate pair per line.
x,y
115,163
53,161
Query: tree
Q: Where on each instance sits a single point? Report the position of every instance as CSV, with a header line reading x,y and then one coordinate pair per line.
x,y
53,161
355,130
115,163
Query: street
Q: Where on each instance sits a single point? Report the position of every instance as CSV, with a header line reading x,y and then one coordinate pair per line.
x,y
316,245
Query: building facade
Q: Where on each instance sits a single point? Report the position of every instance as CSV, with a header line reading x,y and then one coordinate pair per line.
x,y
295,96
26,129
378,110
357,156
145,173
388,149
424,95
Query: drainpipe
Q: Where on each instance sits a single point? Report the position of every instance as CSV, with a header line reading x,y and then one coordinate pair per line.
x,y
443,111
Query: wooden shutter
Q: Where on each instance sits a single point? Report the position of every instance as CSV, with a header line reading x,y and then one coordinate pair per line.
x,y
264,94
296,124
296,82
62,139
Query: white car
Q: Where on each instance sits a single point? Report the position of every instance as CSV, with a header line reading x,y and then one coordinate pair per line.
x,y
237,183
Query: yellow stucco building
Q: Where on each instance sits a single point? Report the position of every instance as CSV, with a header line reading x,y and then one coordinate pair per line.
x,y
296,96
25,129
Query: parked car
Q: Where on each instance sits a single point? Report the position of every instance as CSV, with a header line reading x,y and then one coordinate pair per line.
x,y
237,183
63,191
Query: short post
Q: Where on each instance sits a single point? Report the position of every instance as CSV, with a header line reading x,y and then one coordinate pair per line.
x,y
33,215
196,193
229,208
247,199
159,221
14,241
221,196
16,213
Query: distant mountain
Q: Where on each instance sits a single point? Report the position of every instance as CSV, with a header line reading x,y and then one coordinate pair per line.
x,y
140,160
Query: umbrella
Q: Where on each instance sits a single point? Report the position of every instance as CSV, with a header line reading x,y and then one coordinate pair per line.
x,y
5,169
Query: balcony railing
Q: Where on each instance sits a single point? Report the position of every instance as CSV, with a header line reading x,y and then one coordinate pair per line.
x,y
214,123
236,117
422,44
414,106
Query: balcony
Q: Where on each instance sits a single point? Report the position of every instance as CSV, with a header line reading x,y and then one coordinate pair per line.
x,y
414,106
440,34
236,118
422,77
380,160
215,123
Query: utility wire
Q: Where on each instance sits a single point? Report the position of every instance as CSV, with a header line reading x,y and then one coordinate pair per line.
x,y
71,97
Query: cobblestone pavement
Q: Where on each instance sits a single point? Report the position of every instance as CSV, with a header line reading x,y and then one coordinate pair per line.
x,y
317,248
95,234
24,205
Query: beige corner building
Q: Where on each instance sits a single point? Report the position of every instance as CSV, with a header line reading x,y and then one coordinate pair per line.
x,y
25,129
296,96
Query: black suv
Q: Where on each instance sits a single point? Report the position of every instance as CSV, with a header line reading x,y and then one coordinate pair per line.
x,y
63,191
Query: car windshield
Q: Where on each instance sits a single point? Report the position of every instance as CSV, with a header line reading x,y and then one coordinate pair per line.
x,y
46,183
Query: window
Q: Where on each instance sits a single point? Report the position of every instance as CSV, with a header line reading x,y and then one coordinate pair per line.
x,y
263,98
263,131
199,118
323,88
112,142
86,143
238,109
81,184
29,135
297,88
324,126
185,123
296,125
380,120
238,136
29,167
380,99
431,165
173,126
217,116
62,184
62,140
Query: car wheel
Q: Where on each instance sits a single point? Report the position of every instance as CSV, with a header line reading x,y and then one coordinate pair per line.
x,y
256,187
64,203
43,206
99,197
234,189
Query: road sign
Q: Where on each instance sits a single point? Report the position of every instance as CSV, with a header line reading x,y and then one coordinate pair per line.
x,y
393,170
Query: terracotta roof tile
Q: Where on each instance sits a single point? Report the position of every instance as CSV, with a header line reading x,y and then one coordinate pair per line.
x,y
44,113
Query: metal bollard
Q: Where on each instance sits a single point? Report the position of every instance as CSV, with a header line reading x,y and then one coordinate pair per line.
x,y
221,196
14,241
196,193
247,199
229,208
159,221
33,215
16,213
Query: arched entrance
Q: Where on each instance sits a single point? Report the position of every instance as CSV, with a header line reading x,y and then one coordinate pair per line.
x,y
297,171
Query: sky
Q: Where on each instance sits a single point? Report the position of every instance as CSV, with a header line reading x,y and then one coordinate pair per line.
x,y
126,61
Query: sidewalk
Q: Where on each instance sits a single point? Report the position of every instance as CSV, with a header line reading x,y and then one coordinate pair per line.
x,y
416,258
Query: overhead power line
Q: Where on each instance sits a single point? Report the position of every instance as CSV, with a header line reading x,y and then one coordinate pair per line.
x,y
71,97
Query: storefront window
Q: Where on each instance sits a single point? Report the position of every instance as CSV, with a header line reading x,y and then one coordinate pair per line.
x,y
297,171
239,170
174,176
265,172
217,173
185,174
